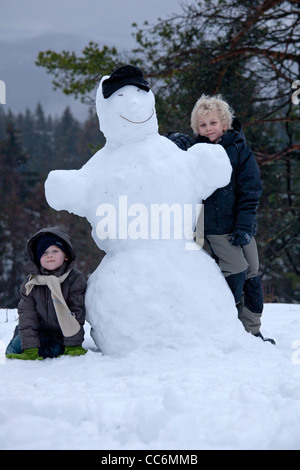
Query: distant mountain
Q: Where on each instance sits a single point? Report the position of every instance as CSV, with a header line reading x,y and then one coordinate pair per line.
x,y
27,84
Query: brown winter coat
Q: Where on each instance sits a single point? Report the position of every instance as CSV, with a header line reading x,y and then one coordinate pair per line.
x,y
36,311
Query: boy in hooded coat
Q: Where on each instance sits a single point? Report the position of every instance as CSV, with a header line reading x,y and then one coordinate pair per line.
x,y
52,306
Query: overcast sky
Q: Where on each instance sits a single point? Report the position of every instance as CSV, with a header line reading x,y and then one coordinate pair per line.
x,y
101,20
28,26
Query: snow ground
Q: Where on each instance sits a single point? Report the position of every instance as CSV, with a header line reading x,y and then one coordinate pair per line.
x,y
210,396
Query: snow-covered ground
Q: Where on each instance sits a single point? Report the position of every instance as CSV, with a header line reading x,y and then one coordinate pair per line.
x,y
209,396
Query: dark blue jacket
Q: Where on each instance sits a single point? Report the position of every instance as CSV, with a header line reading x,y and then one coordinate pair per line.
x,y
235,205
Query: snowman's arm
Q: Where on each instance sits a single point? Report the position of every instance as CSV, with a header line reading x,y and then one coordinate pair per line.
x,y
66,190
212,167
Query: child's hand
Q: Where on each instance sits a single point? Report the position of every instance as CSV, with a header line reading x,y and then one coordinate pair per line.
x,y
74,351
30,354
240,237
182,141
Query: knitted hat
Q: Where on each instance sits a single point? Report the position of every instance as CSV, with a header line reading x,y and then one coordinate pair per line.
x,y
125,75
47,240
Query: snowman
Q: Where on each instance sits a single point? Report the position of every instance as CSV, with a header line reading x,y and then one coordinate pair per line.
x,y
141,194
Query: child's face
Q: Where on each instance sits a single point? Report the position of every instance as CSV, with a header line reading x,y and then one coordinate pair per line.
x,y
53,258
210,125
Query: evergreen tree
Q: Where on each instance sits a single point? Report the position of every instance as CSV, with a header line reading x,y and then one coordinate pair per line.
x,y
91,138
66,141
2,124
41,150
12,215
24,209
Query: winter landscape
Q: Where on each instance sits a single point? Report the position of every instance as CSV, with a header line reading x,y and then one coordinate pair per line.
x,y
177,371
209,395
168,365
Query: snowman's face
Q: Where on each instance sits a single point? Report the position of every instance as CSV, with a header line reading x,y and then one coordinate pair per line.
x,y
132,104
127,115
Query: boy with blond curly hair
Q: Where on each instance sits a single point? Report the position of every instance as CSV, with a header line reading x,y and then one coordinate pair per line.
x,y
230,212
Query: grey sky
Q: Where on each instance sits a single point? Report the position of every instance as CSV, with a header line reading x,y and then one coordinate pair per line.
x,y
29,26
101,20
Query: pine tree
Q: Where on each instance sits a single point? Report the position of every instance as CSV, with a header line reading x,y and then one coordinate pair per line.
x,y
66,135
12,216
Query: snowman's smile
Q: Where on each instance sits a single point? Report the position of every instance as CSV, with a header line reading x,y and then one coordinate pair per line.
x,y
138,122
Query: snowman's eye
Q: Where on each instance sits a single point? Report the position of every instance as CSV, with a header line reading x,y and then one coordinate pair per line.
x,y
120,94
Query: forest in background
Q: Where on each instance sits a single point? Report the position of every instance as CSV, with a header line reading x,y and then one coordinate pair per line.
x,y
246,50
31,145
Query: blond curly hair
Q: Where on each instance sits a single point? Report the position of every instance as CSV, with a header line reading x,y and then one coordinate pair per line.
x,y
205,104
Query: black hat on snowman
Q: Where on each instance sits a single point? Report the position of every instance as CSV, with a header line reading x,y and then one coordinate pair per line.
x,y
125,75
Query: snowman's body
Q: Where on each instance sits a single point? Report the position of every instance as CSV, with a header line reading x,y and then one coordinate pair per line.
x,y
154,286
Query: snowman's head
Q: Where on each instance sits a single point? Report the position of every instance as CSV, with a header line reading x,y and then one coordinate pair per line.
x,y
126,106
